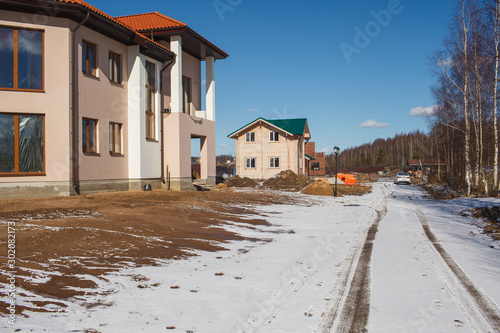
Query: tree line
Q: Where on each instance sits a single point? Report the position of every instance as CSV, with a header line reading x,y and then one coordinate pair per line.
x,y
392,152
464,125
464,128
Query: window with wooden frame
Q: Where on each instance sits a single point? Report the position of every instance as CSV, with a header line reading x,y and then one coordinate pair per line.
x,y
115,67
151,96
186,95
250,137
89,58
22,144
250,163
315,166
274,136
89,135
21,59
115,138
274,162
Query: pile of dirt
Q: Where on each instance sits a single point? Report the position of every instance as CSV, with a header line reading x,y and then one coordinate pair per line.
x,y
287,180
237,181
442,192
319,188
222,187
491,214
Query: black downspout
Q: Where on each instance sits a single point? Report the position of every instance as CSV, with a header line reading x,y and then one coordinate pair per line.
x,y
162,140
75,158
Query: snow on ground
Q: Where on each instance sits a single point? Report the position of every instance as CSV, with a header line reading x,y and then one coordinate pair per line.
x,y
285,282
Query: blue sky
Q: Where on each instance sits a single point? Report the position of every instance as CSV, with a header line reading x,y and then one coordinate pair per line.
x,y
354,69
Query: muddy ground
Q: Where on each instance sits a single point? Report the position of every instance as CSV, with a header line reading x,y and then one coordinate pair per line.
x,y
106,232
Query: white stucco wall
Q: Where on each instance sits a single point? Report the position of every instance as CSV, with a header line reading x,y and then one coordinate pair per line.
x,y
144,155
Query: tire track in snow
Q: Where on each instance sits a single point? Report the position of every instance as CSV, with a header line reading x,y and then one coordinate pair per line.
x,y
348,303
481,311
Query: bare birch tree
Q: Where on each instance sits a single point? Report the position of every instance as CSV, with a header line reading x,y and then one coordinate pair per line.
x,y
492,8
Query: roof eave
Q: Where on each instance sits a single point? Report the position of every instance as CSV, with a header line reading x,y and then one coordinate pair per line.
x,y
97,21
235,133
187,31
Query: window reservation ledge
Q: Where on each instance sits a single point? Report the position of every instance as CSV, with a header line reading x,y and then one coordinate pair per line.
x,y
23,90
42,174
90,76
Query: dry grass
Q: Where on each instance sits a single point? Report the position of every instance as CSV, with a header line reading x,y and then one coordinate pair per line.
x,y
358,189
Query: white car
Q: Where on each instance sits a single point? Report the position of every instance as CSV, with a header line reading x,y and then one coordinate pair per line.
x,y
402,177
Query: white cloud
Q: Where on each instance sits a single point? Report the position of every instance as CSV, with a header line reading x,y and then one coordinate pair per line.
x,y
424,112
223,145
325,150
253,110
373,123
445,62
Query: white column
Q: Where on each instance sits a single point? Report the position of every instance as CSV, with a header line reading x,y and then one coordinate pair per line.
x,y
210,83
136,118
176,74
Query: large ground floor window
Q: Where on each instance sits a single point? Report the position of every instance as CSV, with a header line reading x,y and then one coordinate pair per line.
x,y
22,149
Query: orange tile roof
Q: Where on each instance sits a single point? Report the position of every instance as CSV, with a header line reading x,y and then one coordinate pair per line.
x,y
111,18
151,21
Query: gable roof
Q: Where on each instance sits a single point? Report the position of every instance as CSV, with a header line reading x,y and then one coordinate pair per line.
x,y
151,21
296,126
162,27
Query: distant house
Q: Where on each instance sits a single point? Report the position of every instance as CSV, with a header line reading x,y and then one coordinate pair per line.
x,y
419,164
315,162
265,147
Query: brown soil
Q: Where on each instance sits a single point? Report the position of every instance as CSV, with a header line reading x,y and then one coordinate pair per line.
x,y
222,187
319,188
441,192
96,234
491,215
237,181
359,189
288,181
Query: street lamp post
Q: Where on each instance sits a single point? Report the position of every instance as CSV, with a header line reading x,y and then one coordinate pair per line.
x,y
336,151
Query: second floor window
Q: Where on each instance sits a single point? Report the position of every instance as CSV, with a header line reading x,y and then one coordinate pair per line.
x,y
21,59
151,96
250,136
186,95
89,58
274,136
115,63
315,166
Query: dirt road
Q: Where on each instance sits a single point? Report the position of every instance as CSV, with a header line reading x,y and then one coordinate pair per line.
x,y
401,267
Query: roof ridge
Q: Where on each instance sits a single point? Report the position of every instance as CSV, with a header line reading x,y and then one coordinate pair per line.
x,y
168,17
270,122
163,16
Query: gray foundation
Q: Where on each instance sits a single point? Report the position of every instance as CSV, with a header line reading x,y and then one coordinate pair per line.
x,y
35,189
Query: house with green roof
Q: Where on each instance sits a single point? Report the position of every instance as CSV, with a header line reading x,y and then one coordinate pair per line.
x,y
265,147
